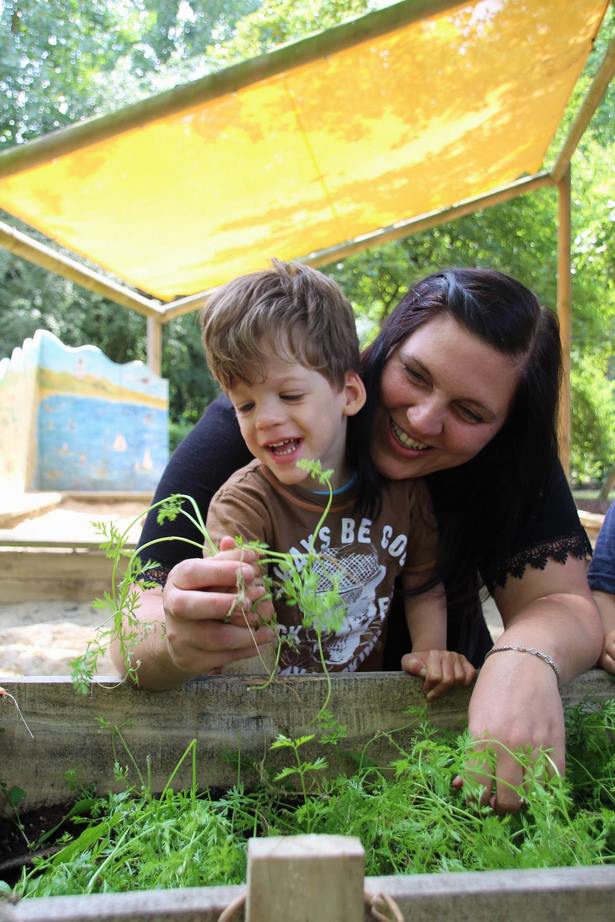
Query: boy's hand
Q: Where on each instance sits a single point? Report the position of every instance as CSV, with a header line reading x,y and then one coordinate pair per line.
x,y
607,657
441,669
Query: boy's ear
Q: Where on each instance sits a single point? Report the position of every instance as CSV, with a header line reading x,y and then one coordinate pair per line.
x,y
354,391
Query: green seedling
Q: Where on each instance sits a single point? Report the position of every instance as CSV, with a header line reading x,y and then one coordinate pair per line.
x,y
407,815
300,586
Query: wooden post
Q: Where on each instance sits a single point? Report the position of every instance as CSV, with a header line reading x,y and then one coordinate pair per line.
x,y
154,345
309,878
41,255
564,313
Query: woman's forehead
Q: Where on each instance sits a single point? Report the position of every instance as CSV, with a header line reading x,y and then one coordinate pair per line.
x,y
466,365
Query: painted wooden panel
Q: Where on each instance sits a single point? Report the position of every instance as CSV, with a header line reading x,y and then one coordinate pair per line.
x,y
78,421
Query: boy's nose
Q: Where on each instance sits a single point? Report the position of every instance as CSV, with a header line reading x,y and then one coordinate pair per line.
x,y
268,417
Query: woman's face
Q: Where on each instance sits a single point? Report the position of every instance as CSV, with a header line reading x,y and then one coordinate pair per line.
x,y
443,395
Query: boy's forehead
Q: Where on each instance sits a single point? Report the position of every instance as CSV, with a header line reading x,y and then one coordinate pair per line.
x,y
277,371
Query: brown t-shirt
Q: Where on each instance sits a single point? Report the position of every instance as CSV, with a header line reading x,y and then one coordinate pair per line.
x,y
365,556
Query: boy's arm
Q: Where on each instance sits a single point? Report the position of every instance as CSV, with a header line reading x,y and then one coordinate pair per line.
x,y
441,669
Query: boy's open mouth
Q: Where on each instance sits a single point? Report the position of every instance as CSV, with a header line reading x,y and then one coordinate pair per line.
x,y
284,448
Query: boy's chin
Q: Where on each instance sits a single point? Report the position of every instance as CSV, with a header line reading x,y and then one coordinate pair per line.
x,y
289,474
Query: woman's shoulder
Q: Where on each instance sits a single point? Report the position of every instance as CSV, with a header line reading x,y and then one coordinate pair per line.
x,y
553,531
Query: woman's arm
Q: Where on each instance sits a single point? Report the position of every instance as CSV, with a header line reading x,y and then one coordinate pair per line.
x,y
516,700
189,636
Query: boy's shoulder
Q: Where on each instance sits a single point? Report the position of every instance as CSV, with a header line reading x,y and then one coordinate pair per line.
x,y
247,477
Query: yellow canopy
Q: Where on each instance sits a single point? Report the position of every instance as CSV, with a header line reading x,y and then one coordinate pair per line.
x,y
312,148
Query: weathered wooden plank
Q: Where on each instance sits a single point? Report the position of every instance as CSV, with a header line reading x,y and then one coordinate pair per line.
x,y
225,714
565,894
195,904
543,895
29,574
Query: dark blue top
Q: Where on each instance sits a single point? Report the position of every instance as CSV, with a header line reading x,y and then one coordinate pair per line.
x,y
214,449
602,569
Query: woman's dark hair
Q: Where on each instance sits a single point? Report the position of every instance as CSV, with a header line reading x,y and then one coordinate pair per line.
x,y
484,505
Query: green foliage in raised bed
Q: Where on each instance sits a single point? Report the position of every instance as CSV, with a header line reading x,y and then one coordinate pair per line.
x,y
408,817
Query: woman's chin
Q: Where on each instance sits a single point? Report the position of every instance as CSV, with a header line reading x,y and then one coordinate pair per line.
x,y
395,467
400,463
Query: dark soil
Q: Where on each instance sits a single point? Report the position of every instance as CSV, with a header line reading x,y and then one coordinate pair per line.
x,y
15,853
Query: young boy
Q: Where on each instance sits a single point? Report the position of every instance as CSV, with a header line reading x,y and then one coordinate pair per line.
x,y
283,346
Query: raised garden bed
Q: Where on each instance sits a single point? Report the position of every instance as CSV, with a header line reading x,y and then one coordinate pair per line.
x,y
224,714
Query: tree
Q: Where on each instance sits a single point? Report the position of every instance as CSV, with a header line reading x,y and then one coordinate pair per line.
x,y
61,60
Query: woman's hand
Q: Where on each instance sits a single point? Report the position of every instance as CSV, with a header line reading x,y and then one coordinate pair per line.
x,y
208,615
515,705
516,702
441,669
212,610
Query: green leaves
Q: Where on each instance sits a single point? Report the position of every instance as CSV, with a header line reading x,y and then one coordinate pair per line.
x,y
407,816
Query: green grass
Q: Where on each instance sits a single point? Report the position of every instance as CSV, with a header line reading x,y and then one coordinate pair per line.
x,y
408,817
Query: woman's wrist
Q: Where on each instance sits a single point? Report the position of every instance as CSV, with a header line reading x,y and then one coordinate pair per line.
x,y
531,651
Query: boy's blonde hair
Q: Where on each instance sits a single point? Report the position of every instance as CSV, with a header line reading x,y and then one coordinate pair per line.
x,y
291,309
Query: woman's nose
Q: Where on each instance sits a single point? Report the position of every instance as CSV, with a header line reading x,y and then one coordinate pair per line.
x,y
426,418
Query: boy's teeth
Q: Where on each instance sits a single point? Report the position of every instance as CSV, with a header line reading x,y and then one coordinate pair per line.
x,y
406,440
284,447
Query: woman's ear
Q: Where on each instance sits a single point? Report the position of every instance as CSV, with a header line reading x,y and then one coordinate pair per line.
x,y
354,392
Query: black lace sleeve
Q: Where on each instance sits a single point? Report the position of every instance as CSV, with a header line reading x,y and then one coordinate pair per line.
x,y
205,459
553,533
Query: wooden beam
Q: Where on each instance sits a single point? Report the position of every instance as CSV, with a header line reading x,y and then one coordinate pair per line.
x,y
41,255
542,895
564,313
598,88
229,80
225,715
186,305
427,221
154,344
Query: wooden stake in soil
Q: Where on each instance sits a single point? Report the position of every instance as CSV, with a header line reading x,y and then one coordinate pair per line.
x,y
306,878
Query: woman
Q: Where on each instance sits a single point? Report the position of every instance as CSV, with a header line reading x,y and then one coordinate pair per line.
x,y
462,384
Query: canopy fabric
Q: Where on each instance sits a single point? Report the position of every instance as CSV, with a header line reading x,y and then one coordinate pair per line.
x,y
438,111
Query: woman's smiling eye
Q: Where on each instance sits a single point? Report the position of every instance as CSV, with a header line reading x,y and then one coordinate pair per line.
x,y
414,375
470,415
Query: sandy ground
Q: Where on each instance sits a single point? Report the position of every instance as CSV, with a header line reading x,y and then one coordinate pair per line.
x,y
41,638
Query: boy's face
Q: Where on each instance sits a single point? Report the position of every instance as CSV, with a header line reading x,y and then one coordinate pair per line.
x,y
294,414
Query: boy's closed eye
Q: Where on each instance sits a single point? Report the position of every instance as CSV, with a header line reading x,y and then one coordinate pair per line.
x,y
291,397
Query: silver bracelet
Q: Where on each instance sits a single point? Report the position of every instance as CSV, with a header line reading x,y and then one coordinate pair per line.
x,y
545,657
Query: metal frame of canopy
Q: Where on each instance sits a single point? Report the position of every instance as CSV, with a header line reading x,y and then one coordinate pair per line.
x,y
247,72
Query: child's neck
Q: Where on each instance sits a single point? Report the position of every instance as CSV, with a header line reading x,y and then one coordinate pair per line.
x,y
337,491
341,477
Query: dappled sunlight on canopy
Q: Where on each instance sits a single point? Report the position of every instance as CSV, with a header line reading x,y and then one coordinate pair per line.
x,y
441,110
